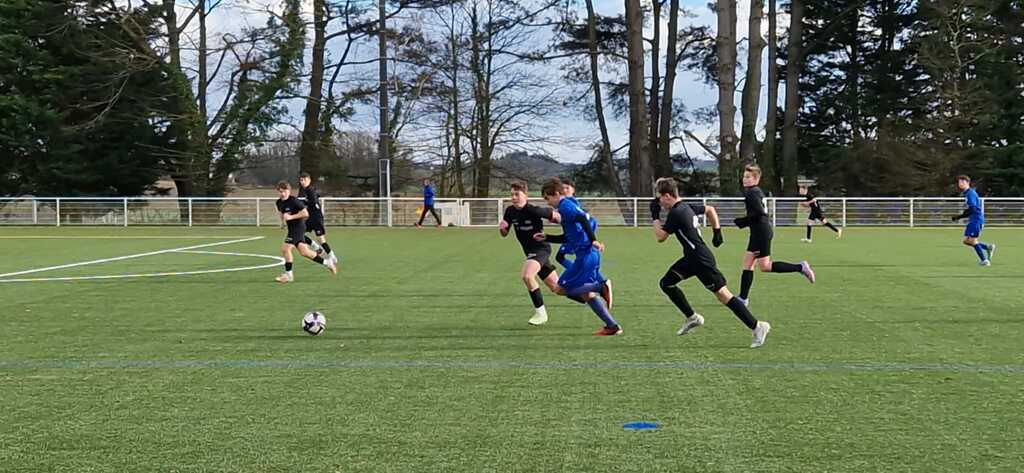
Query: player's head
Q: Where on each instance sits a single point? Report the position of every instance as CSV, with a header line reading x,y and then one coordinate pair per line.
x,y
305,179
751,175
963,182
426,181
568,187
802,190
518,189
284,189
551,191
667,190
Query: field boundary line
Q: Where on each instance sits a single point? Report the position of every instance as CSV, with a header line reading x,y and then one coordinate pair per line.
x,y
122,258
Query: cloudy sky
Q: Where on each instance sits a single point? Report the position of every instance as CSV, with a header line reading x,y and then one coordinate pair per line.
x,y
570,132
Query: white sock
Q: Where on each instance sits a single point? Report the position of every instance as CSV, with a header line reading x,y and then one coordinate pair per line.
x,y
541,310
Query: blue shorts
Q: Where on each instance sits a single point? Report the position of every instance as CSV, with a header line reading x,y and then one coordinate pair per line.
x,y
585,270
973,229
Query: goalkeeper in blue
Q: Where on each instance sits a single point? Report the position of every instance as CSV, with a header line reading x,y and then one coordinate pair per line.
x,y
975,221
582,281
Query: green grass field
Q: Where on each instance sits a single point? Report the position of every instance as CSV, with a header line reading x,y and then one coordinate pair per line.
x,y
904,357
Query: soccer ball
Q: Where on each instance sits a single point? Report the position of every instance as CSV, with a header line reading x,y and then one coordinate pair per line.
x,y
314,323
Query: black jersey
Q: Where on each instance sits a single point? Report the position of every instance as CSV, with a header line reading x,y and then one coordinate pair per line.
x,y
683,222
815,207
757,215
527,221
291,205
312,201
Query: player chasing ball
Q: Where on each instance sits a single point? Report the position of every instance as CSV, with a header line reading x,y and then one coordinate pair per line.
x,y
817,215
682,221
294,215
975,221
759,246
315,222
527,220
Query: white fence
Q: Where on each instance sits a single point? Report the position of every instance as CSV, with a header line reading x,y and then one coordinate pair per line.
x,y
253,211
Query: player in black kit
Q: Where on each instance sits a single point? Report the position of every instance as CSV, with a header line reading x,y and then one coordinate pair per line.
x,y
759,247
294,214
682,221
315,222
817,215
527,220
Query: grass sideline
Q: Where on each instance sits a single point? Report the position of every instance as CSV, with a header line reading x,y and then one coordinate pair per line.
x,y
905,356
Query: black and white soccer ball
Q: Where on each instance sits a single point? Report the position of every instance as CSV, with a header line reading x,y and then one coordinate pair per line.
x,y
314,323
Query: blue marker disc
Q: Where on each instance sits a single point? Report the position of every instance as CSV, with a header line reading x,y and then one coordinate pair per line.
x,y
640,426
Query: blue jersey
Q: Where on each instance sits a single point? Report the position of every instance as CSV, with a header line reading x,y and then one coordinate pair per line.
x,y
428,195
590,218
973,202
575,238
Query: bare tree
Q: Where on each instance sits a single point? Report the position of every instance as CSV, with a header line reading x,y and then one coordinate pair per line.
x,y
768,162
750,105
725,45
640,172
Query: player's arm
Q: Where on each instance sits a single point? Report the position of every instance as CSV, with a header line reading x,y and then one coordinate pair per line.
x,y
581,218
659,232
661,229
549,238
304,213
504,226
966,213
716,225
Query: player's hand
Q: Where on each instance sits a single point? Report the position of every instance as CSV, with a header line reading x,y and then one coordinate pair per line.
x,y
655,207
539,237
503,226
717,239
598,245
740,222
956,217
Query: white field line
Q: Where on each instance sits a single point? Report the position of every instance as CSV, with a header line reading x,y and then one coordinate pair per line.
x,y
121,258
277,262
115,237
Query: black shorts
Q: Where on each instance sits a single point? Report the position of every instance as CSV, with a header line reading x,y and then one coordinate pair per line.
x,y
316,226
760,243
542,256
296,235
816,215
709,276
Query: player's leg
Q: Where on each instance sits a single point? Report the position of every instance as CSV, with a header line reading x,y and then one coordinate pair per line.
x,y
760,329
308,252
669,285
581,281
321,234
807,239
971,238
766,265
827,223
529,274
422,216
289,260
437,217
747,278
561,259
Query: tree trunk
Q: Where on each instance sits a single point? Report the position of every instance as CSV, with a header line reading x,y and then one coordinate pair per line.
x,y
657,142
481,72
793,67
662,159
640,172
310,154
607,162
751,103
769,168
725,46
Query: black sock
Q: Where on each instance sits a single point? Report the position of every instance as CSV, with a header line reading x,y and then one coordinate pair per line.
x,y
326,247
537,298
318,260
288,266
577,299
676,296
780,267
808,232
740,309
745,282
833,227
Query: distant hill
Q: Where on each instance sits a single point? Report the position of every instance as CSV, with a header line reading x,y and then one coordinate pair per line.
x,y
532,168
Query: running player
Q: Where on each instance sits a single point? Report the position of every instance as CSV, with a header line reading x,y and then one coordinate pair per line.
x,y
817,215
681,221
527,220
975,221
294,214
315,223
759,247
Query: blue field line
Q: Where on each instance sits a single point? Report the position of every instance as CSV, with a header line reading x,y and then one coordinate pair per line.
x,y
503,365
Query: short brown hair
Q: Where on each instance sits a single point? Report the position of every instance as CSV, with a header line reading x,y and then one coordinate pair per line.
x,y
284,186
753,169
567,181
518,186
552,186
963,177
305,175
667,185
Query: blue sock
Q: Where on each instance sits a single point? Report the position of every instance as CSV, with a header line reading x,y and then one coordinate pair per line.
x,y
597,305
987,246
980,249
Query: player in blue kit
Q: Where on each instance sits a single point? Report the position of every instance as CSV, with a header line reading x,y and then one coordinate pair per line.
x,y
569,191
582,280
975,221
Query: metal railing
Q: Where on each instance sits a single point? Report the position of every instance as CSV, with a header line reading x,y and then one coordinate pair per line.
x,y
474,212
